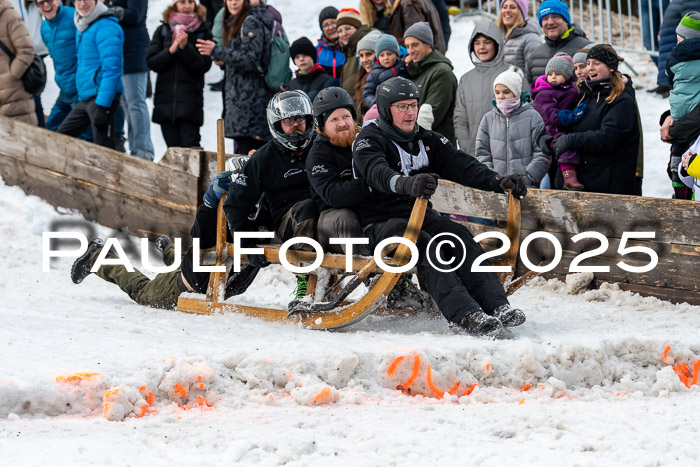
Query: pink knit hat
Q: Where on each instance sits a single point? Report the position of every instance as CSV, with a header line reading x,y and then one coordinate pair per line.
x,y
522,4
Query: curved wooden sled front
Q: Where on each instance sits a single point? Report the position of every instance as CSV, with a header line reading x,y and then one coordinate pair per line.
x,y
338,318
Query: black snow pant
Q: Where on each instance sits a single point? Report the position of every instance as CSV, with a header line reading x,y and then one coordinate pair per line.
x,y
456,293
181,134
299,221
340,223
83,115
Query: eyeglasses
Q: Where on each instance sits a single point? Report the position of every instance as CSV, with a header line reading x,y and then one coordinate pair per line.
x,y
330,25
404,107
291,120
41,3
83,1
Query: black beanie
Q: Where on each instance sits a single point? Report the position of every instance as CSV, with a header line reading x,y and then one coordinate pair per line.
x,y
330,12
302,46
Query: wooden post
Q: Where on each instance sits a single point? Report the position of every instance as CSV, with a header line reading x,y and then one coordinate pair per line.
x,y
215,291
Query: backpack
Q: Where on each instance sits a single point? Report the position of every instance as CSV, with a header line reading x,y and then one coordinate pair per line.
x,y
34,79
278,72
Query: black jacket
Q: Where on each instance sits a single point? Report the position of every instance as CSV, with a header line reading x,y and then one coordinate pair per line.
x,y
376,160
180,81
311,83
330,172
684,132
276,173
569,43
607,139
135,33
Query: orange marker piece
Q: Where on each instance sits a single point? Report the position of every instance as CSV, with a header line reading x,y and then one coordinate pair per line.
x,y
414,373
666,357
469,390
526,388
453,389
201,386
180,390
199,379
488,368
429,378
324,396
392,368
696,373
522,401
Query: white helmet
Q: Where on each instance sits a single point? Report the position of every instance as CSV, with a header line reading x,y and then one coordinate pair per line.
x,y
289,104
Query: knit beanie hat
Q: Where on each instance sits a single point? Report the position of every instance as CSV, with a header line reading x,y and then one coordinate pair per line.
x,y
420,31
302,46
562,64
369,41
386,42
512,78
348,16
554,7
605,53
330,12
581,55
689,27
522,4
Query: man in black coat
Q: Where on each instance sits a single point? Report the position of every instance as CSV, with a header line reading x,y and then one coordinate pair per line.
x,y
400,161
277,171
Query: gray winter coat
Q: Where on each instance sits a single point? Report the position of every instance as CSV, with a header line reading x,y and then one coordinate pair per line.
x,y
509,145
246,58
536,61
522,41
475,89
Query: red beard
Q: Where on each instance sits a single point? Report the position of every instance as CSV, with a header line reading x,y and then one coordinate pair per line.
x,y
344,139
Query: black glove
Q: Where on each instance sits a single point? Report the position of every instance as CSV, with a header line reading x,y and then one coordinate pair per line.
x,y
418,186
545,144
513,182
100,116
560,145
259,261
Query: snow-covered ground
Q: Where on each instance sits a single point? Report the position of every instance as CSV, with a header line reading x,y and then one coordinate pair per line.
x,y
90,378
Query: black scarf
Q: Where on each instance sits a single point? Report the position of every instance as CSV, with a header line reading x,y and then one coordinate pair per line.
x,y
396,134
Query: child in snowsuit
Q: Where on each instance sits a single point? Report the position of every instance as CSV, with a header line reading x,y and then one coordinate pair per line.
x,y
689,169
387,64
508,134
683,72
554,94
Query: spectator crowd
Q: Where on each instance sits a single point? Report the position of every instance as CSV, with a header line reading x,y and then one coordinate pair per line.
x,y
542,100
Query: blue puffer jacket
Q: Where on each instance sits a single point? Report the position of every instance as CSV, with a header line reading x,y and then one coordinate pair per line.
x,y
667,35
136,38
59,36
330,58
100,61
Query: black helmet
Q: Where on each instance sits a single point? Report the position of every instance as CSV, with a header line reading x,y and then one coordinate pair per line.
x,y
330,99
394,90
285,105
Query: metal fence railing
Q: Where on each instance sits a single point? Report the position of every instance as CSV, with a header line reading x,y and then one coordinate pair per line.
x,y
622,28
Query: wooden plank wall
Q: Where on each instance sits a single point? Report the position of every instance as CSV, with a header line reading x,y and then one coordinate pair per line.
x,y
565,214
106,186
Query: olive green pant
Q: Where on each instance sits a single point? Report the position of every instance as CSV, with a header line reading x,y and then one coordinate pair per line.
x,y
159,292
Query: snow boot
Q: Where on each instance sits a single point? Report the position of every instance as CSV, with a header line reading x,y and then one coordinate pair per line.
x,y
82,265
571,180
405,295
299,291
509,316
162,243
478,323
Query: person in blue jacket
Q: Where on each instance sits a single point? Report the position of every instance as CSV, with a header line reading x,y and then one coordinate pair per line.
x,y
328,51
100,43
58,33
132,19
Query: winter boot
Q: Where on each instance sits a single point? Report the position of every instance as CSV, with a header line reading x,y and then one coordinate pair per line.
x,y
571,181
162,243
300,291
478,323
82,265
405,295
509,316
